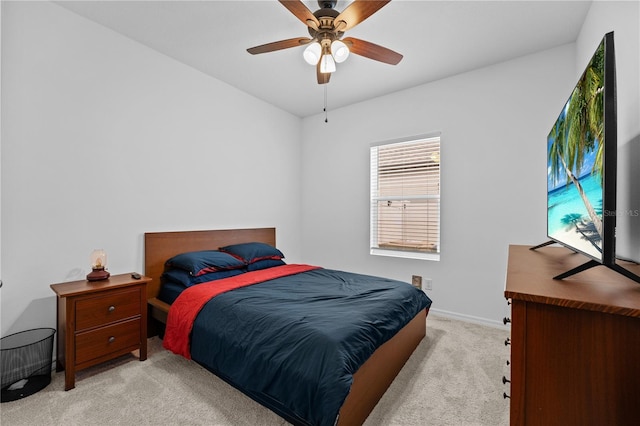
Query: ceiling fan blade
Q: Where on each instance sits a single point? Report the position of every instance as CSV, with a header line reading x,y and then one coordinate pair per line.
x,y
357,12
323,77
278,45
372,51
301,12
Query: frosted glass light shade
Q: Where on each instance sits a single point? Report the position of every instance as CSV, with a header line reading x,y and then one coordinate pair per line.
x,y
327,64
340,51
98,259
312,53
98,266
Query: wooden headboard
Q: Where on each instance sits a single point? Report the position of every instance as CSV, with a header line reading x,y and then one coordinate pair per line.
x,y
160,246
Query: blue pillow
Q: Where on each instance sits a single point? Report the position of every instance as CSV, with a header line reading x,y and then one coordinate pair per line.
x,y
252,252
264,264
184,278
201,262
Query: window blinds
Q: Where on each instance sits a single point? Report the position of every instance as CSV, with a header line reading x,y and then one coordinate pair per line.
x,y
405,197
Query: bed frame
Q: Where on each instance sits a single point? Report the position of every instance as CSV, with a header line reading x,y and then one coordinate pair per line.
x,y
370,381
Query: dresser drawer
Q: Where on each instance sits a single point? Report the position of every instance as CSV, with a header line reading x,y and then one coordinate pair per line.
x,y
106,308
105,340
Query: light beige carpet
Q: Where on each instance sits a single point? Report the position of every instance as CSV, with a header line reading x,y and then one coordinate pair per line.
x,y
453,378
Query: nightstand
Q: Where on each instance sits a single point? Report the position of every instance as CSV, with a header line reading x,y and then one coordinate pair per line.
x,y
99,321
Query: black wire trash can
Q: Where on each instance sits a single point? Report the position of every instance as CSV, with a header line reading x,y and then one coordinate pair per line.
x,y
26,360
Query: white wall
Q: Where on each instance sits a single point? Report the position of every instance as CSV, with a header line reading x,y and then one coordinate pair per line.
x,y
623,18
494,123
104,139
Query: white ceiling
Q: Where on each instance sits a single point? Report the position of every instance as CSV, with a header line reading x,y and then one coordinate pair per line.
x,y
437,38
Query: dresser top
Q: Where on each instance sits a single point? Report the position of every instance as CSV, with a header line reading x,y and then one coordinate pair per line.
x,y
74,288
530,278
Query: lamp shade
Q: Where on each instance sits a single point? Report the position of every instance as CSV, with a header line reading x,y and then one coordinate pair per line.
x,y
98,259
340,51
312,53
327,64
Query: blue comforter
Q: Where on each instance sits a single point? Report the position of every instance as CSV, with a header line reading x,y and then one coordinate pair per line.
x,y
293,343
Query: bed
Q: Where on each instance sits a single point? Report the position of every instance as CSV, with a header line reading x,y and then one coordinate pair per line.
x,y
369,382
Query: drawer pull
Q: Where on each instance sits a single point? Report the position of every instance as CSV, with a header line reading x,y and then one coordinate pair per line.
x,y
508,362
506,320
507,341
505,380
505,396
111,308
112,339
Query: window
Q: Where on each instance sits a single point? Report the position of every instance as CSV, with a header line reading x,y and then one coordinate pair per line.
x,y
405,198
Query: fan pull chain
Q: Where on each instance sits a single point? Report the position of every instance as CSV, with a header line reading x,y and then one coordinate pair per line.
x,y
326,118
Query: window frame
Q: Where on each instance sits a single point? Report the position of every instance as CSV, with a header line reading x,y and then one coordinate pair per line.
x,y
375,198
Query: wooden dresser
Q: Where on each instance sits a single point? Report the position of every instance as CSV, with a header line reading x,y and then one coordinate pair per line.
x,y
99,321
575,343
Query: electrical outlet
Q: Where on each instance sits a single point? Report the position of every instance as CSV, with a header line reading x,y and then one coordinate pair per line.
x,y
416,281
428,284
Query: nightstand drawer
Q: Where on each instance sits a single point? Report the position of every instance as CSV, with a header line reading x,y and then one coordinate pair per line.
x,y
103,341
107,308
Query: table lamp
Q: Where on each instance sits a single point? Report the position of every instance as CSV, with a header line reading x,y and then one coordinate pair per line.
x,y
98,266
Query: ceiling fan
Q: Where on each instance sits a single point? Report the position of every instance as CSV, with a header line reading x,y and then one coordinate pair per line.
x,y
326,27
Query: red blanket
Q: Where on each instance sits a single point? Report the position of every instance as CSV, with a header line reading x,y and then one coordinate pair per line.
x,y
186,307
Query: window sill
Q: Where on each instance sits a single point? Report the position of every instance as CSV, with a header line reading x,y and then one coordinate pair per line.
x,y
405,254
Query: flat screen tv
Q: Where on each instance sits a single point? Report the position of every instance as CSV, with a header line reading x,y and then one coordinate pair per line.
x,y
581,166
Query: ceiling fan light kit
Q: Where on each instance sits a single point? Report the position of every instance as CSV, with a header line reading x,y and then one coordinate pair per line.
x,y
336,54
326,27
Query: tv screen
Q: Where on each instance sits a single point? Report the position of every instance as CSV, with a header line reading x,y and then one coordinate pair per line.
x,y
581,162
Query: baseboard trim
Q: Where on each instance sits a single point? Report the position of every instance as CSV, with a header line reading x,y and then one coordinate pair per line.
x,y
467,318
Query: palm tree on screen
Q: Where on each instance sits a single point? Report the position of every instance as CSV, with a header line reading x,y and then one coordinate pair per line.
x,y
580,130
